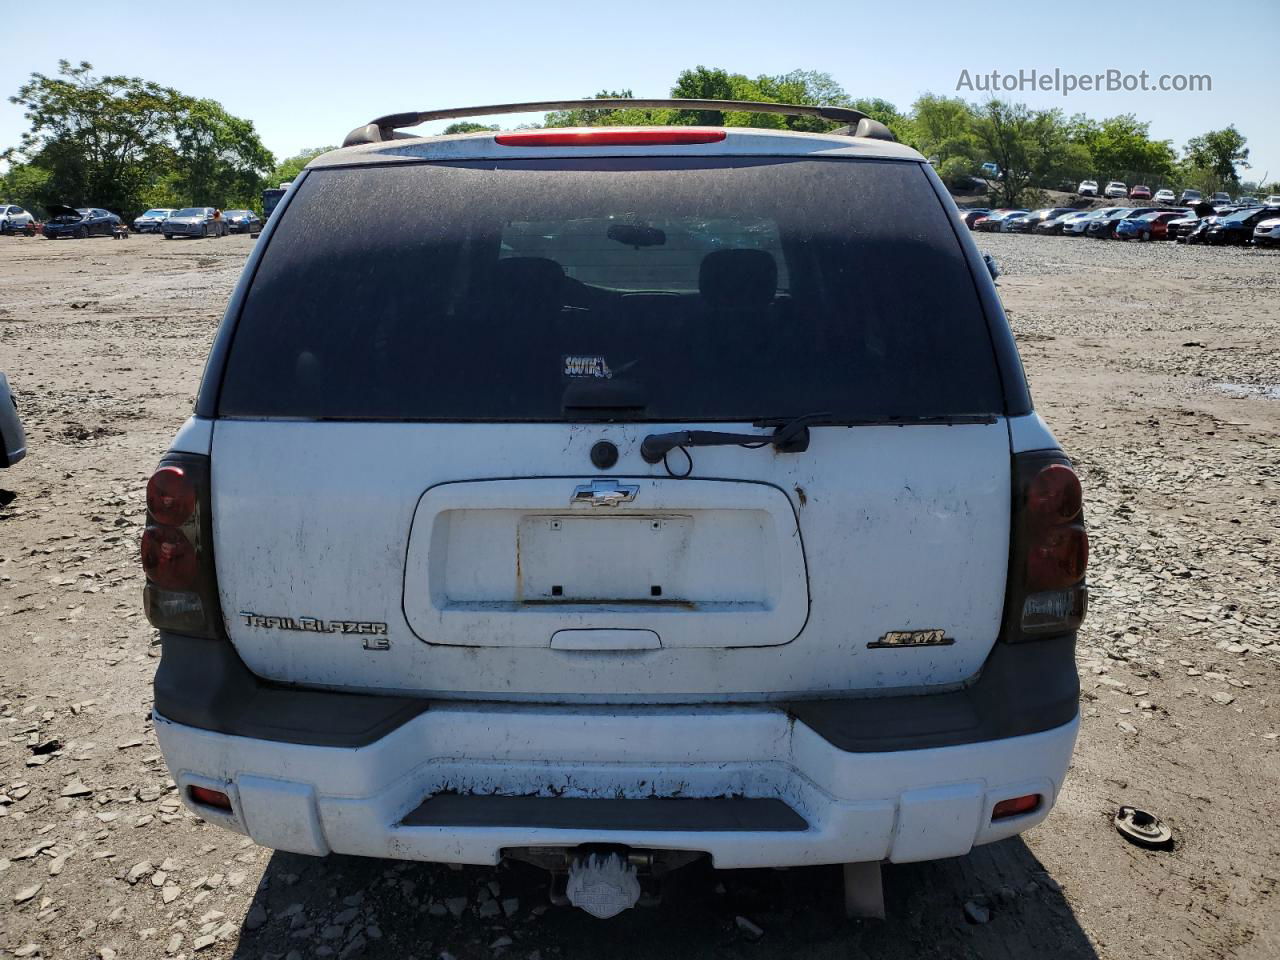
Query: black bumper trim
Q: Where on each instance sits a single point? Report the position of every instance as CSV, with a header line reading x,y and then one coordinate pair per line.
x,y
1023,689
204,683
694,814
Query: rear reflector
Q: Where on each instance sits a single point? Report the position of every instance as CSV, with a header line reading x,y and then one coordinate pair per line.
x,y
209,798
1015,806
654,136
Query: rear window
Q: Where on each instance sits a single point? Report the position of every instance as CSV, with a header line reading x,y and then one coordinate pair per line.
x,y
662,289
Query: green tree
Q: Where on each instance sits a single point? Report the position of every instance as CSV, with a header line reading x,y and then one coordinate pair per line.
x,y
1121,147
1029,146
101,139
24,184
466,126
289,168
608,116
1220,153
114,141
219,159
942,128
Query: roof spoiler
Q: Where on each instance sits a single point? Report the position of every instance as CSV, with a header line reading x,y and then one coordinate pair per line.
x,y
858,124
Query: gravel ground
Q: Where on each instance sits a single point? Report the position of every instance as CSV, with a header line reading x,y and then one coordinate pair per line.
x,y
1153,363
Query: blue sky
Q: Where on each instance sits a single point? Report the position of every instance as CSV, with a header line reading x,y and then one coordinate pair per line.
x,y
307,73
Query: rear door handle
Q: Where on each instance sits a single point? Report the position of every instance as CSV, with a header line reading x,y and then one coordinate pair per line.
x,y
619,640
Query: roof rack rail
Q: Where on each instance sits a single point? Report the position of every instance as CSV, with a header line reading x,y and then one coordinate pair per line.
x,y
387,128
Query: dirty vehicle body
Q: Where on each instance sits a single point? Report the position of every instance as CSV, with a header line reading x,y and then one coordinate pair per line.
x,y
13,439
619,492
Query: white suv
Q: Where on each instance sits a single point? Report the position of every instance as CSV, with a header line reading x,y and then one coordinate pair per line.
x,y
1116,189
617,491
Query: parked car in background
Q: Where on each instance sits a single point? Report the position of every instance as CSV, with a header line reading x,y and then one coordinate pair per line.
x,y
970,215
193,222
1198,233
1088,188
1147,226
1056,225
1140,192
1220,199
994,221
1191,196
1028,222
1266,233
1103,228
1079,227
13,441
78,223
1271,200
1179,227
1116,189
1248,202
151,221
1164,195
991,170
1237,228
14,219
242,221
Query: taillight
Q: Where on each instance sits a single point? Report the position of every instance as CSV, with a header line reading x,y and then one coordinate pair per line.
x,y
181,594
607,137
168,558
171,496
1050,548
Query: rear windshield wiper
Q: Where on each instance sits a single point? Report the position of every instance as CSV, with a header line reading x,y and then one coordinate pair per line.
x,y
789,437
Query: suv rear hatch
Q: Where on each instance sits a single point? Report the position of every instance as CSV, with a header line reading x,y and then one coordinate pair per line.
x,y
405,493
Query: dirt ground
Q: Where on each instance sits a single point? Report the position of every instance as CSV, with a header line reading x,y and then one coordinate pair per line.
x,y
1157,365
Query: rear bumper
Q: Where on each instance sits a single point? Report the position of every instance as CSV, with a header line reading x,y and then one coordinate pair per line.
x,y
899,805
835,781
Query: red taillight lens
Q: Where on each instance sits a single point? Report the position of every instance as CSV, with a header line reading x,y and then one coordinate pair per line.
x,y
1057,545
1015,806
168,558
1057,558
1054,495
606,137
171,496
209,798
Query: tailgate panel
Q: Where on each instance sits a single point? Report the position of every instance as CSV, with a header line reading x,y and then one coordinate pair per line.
x,y
895,529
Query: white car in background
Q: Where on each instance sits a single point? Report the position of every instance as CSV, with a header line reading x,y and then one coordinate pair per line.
x,y
1116,190
153,220
1271,200
1078,226
1088,188
1164,196
14,219
1267,232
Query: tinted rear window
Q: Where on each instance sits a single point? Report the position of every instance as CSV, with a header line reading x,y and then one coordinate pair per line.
x,y
657,288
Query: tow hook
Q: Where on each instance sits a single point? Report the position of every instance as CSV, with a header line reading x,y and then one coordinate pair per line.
x,y
603,885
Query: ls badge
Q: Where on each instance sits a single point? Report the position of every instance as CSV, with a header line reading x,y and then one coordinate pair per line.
x,y
912,638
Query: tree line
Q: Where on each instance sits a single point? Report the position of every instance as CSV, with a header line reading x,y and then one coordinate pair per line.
x,y
128,144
